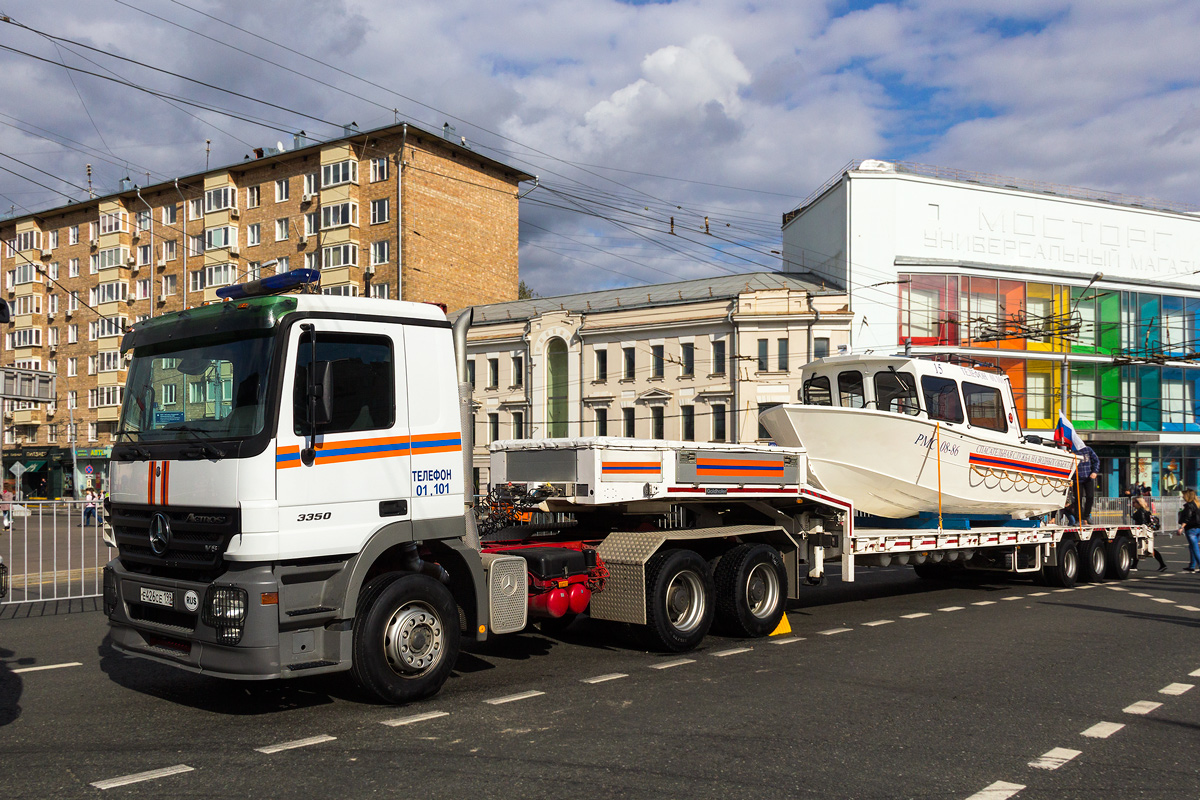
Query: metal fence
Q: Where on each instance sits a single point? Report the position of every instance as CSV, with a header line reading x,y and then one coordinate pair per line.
x,y
1116,510
52,550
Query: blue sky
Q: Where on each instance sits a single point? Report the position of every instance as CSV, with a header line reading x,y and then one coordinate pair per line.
x,y
630,112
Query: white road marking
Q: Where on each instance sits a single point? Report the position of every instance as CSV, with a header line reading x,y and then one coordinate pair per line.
x,y
733,651
278,748
612,676
679,662
1131,580
1176,688
1142,594
1055,758
918,615
1086,586
985,603
1060,591
512,698
879,622
1190,608
1152,577
1117,588
1039,594
951,608
832,631
997,791
113,783
1163,600
1194,674
1141,707
395,723
1012,597
1102,730
788,640
48,666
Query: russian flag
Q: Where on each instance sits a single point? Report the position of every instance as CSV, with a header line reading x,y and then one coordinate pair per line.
x,y
1065,433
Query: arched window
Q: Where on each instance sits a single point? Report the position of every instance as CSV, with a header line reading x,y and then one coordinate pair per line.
x,y
556,388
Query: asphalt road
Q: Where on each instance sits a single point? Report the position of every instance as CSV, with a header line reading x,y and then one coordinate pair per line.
x,y
889,687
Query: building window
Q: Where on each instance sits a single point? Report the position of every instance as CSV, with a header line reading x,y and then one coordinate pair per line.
x,y
169,397
196,245
379,291
196,284
109,223
601,366
196,208
281,230
217,238
169,250
471,372
282,190
311,223
72,367
630,363
602,422
143,289
518,369
253,235
763,356
656,360
73,268
93,431
493,427
493,373
143,220
339,215
718,422
379,211
688,423
656,422
557,377
220,199
73,234
168,284
342,290
310,183
380,252
820,347
253,197
170,214
518,424
627,419
687,359
379,169
783,355
340,255
718,358
339,173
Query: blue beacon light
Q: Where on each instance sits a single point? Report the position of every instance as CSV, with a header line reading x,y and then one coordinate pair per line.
x,y
275,284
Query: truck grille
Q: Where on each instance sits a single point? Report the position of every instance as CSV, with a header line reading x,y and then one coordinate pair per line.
x,y
196,546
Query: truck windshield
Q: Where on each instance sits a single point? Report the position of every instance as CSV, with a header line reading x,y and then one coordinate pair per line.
x,y
210,387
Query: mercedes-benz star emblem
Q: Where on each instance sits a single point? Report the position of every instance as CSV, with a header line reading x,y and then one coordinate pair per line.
x,y
160,534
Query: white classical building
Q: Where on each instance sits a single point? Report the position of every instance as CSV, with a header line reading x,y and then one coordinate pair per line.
x,y
1089,301
692,361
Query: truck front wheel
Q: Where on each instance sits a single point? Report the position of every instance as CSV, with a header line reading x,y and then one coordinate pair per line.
x,y
679,600
751,584
406,638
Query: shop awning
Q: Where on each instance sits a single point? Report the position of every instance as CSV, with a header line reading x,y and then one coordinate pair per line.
x,y
34,466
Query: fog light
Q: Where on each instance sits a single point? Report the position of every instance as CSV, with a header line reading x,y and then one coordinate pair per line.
x,y
110,591
225,612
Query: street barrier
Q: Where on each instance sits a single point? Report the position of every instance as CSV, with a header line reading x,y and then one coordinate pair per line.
x,y
52,550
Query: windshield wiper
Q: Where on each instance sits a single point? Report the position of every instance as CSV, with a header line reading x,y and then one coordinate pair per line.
x,y
137,448
206,450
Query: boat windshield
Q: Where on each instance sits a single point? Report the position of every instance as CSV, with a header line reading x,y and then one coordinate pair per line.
x,y
817,391
206,387
985,406
941,398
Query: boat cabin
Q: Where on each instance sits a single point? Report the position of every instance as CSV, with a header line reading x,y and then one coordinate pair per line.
x,y
934,390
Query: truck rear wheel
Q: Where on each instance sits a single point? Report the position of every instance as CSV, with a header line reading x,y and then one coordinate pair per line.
x,y
1067,569
1120,558
1093,559
406,637
679,600
751,585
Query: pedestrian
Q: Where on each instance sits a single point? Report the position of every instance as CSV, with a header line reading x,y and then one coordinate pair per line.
x,y
1189,525
1143,514
6,498
1088,472
89,507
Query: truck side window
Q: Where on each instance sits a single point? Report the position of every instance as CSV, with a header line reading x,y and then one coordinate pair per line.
x,y
941,398
363,377
817,391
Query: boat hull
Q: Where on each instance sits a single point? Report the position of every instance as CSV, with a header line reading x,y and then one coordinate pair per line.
x,y
898,466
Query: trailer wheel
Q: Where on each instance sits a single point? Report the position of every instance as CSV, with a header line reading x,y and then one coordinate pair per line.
x,y
751,585
679,600
1093,559
932,572
406,637
1066,570
1120,558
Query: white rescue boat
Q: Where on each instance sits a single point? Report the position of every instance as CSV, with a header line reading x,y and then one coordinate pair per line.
x,y
908,435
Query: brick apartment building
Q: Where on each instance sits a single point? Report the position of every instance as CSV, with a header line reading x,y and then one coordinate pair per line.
x,y
397,212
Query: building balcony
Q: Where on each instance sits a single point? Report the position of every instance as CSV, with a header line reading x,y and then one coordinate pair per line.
x,y
108,414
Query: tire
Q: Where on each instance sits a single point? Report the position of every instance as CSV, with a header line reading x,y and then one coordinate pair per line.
x,y
1065,572
751,590
932,572
679,600
1093,559
406,638
1120,558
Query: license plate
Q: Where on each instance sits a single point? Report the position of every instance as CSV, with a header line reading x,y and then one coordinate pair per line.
x,y
158,597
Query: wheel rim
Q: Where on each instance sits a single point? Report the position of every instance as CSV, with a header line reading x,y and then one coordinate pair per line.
x,y
1098,560
685,601
762,590
1069,564
413,639
1124,559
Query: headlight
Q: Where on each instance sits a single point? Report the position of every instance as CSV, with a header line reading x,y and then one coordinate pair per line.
x,y
225,612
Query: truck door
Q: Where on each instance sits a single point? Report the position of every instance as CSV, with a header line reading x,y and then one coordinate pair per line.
x,y
358,478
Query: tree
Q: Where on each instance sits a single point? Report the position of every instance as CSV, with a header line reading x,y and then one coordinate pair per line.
x,y
524,292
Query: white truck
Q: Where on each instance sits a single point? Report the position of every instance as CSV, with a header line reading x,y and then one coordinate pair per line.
x,y
289,497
